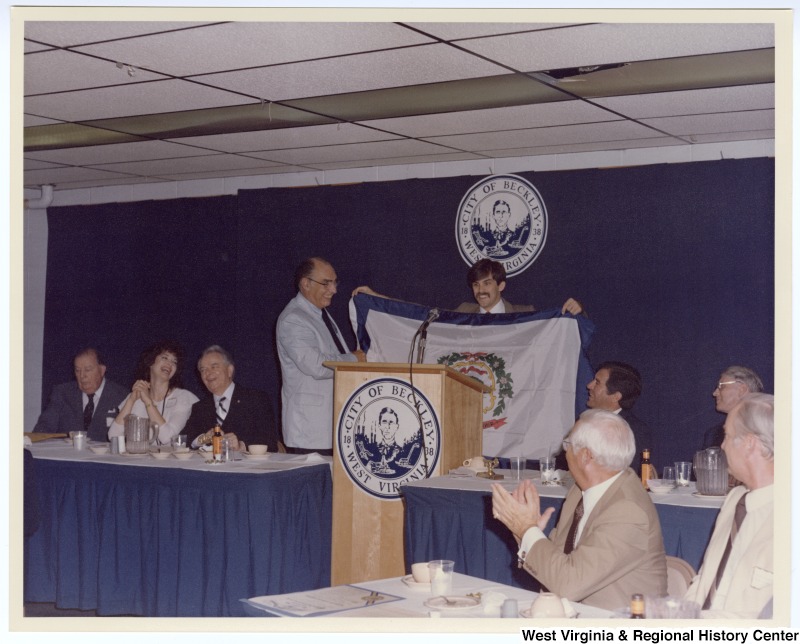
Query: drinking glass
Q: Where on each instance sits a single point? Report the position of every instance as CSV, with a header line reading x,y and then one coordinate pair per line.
x,y
441,576
547,470
669,474
517,466
683,473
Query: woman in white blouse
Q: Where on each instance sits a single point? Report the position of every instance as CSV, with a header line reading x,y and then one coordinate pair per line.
x,y
157,393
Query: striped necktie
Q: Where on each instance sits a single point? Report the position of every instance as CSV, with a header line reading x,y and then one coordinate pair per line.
x,y
221,411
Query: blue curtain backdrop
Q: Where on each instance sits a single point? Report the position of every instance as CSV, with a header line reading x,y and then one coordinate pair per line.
x,y
673,263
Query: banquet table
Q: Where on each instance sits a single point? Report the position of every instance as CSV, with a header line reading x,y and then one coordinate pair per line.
x,y
450,517
400,597
131,535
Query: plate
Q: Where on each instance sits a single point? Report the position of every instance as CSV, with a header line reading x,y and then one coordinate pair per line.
x,y
134,455
160,456
256,457
452,602
708,496
527,612
408,580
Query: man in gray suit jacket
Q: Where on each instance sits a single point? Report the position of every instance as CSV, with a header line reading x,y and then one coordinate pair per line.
x,y
487,279
90,403
736,578
608,543
307,336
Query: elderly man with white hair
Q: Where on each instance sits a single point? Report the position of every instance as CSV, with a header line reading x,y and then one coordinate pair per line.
x,y
608,543
735,579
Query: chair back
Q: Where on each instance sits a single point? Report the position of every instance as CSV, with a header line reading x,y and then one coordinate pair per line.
x,y
679,576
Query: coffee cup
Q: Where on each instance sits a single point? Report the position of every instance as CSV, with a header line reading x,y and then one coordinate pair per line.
x,y
421,573
547,605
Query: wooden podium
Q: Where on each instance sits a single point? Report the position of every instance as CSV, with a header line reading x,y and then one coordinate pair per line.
x,y
367,529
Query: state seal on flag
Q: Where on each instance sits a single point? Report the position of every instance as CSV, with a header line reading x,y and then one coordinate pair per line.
x,y
502,218
387,434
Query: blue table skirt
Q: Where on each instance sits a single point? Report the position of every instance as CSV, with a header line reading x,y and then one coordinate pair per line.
x,y
458,525
126,540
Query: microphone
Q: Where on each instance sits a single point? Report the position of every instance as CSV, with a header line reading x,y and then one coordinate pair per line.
x,y
422,332
433,314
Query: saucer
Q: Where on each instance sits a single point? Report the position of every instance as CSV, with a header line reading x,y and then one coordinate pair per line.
x,y
183,456
708,496
160,456
528,612
408,580
452,602
256,457
134,455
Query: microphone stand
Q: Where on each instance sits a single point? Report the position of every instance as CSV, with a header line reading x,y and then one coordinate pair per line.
x,y
422,334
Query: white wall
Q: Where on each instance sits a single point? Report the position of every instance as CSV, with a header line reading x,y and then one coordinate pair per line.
x,y
35,224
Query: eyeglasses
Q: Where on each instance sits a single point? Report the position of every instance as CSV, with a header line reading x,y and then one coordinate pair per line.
x,y
326,283
565,444
720,385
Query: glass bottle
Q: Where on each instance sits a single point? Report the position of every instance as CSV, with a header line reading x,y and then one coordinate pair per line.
x,y
637,606
645,467
216,443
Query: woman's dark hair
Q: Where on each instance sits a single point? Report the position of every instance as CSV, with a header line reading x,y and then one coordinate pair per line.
x,y
149,355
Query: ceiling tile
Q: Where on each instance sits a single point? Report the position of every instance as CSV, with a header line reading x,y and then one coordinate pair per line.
x,y
141,98
699,101
412,66
335,153
119,152
612,131
524,116
208,163
245,44
461,30
714,123
67,175
69,33
57,71
287,138
601,44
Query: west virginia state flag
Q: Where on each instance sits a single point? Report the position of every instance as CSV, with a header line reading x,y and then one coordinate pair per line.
x,y
534,363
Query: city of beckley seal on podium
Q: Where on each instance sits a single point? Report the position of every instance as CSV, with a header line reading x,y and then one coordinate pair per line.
x,y
502,218
379,438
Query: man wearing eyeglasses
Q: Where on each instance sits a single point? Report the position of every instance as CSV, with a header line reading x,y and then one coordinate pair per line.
x,y
607,544
306,337
736,577
733,385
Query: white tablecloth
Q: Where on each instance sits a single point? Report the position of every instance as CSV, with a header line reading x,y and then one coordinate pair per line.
x,y
60,450
413,598
684,496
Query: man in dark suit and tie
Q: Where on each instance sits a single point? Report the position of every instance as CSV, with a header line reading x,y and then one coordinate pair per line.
x,y
245,415
90,403
616,387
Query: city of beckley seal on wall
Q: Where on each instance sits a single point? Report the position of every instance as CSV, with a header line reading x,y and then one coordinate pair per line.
x,y
379,437
502,218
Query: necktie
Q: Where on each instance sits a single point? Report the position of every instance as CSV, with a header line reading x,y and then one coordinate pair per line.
x,y
221,411
88,411
738,516
332,329
569,545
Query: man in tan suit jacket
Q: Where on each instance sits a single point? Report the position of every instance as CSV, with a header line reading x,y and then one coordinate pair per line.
x,y
615,548
742,585
487,279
